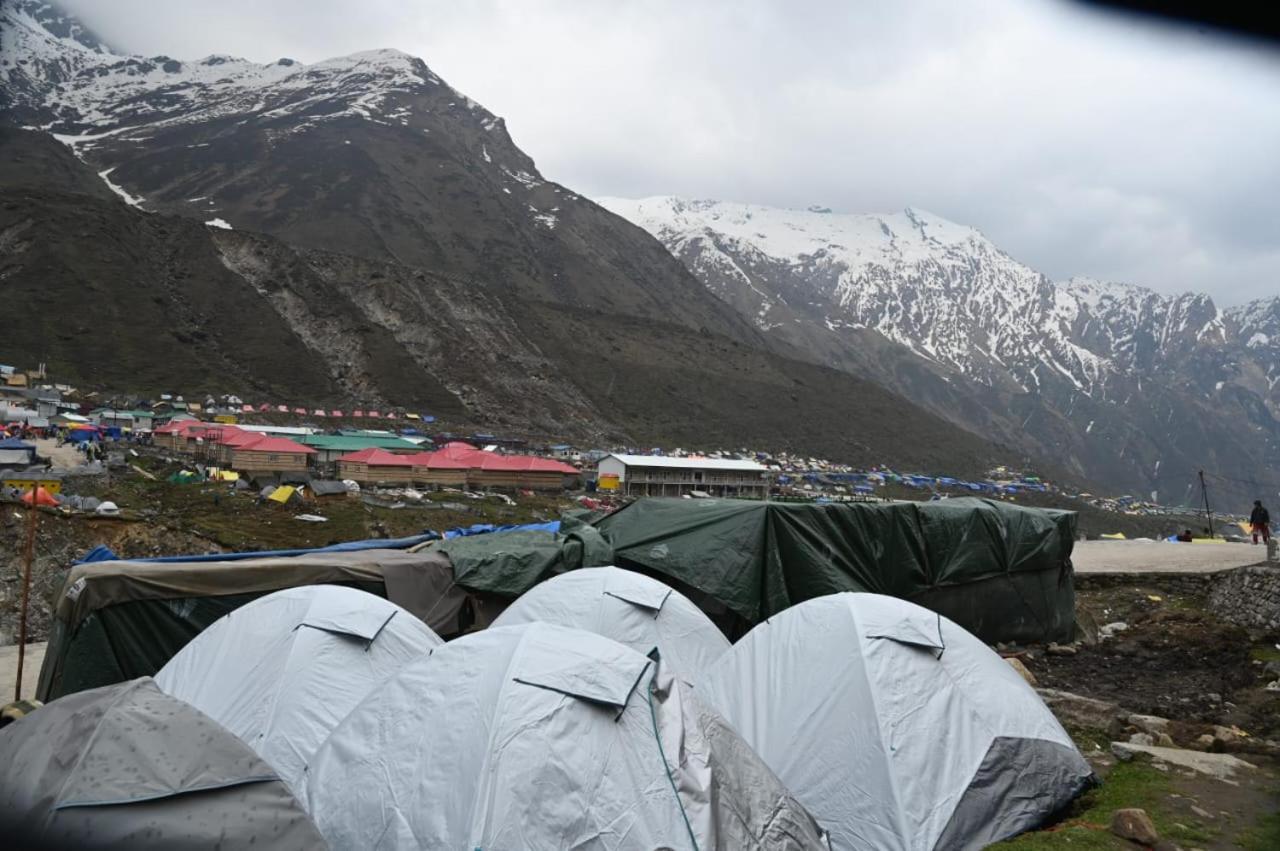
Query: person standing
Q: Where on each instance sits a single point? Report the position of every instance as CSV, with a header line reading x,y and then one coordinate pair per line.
x,y
1260,520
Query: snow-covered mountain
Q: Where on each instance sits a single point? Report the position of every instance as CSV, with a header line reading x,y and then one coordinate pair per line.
x,y
372,235
1087,350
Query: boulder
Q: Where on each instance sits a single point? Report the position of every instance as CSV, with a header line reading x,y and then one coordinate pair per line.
x,y
1023,670
1141,739
1152,724
1221,766
1080,711
1135,825
1056,649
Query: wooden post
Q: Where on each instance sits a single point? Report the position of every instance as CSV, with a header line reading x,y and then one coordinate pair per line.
x,y
28,555
1208,513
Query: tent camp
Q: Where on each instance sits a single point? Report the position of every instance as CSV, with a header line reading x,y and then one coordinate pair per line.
x,y
117,620
541,737
128,766
895,727
282,671
632,609
1001,571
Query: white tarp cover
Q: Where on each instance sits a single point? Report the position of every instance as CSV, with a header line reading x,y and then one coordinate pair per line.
x,y
628,607
282,671
895,727
542,737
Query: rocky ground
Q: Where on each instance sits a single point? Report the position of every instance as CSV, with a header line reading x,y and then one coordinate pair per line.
x,y
159,518
1185,694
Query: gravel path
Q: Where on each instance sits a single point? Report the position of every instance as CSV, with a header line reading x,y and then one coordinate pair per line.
x,y
1162,557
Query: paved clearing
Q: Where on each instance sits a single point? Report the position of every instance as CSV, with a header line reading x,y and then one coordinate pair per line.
x,y
30,670
1162,557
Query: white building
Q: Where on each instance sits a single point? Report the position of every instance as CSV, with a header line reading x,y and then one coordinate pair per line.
x,y
661,475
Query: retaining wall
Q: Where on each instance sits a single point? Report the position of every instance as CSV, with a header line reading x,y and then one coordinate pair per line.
x,y
1248,596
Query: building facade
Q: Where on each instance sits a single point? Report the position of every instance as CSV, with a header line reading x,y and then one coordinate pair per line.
x,y
659,475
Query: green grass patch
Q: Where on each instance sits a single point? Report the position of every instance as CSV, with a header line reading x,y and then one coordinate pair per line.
x,y
1084,826
1264,836
1265,653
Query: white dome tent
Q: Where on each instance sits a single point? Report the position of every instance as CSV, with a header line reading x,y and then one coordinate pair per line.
x,y
895,727
282,671
542,737
128,766
631,608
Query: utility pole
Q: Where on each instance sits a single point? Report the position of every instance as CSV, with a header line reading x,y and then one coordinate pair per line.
x,y
28,555
1207,511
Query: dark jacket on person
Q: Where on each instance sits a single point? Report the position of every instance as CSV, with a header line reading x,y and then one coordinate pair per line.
x,y
1259,516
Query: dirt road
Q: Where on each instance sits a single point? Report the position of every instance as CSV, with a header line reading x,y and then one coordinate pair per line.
x,y
1162,557
63,457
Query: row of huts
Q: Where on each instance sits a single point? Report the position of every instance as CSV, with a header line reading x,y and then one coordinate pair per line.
x,y
386,460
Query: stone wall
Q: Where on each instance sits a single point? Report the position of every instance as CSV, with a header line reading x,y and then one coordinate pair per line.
x,y
1194,584
1248,596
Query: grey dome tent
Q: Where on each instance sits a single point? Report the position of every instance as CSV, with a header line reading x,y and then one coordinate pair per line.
x,y
128,766
282,671
896,728
540,737
632,609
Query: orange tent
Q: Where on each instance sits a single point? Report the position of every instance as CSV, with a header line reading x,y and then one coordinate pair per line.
x,y
42,497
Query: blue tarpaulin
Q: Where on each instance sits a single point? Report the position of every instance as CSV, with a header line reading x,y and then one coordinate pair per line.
x,y
552,526
102,553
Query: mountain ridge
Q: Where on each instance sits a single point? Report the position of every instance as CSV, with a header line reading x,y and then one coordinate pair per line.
x,y
1077,352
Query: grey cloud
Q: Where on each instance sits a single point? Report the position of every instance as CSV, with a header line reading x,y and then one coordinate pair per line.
x,y
1081,143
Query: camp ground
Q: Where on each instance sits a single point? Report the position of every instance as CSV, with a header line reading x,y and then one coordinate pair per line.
x,y
761,675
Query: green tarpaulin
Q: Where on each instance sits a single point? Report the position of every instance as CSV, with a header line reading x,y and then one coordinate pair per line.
x,y
510,563
1001,571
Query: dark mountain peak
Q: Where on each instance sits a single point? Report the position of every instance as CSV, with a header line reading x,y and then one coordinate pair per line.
x,y
33,14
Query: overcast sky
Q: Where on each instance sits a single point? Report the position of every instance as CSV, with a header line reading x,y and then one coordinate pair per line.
x,y
1083,144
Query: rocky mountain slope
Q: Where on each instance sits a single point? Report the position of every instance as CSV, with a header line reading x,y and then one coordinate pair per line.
x,y
370,154
1119,383
116,297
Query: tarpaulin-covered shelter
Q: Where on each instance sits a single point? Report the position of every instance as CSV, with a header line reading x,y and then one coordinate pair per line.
x,y
635,610
1001,571
128,766
16,453
117,620
509,563
896,728
282,671
543,737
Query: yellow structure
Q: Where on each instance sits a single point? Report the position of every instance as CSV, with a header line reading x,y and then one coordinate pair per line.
x,y
22,483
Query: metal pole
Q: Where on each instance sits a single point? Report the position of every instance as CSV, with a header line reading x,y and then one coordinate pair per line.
x,y
28,556
1207,511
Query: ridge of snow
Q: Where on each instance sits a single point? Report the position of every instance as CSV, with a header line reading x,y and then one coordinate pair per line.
x,y
942,290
